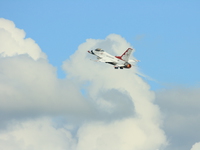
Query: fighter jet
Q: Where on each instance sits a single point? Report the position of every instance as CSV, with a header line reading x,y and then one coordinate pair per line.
x,y
118,61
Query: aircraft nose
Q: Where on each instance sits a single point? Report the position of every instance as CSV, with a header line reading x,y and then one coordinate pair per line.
x,y
91,52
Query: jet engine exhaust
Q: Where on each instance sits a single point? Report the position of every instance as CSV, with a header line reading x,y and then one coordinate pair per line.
x,y
127,65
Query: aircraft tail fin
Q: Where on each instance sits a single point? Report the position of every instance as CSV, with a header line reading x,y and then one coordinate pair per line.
x,y
125,56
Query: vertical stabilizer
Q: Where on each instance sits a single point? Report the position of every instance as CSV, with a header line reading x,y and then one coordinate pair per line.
x,y
125,56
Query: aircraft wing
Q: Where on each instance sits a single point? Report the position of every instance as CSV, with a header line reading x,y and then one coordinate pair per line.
x,y
106,60
101,60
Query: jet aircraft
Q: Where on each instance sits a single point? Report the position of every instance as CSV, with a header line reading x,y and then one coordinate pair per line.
x,y
118,61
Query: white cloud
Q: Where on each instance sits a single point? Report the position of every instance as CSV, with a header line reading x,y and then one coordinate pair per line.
x,y
129,134
196,146
116,112
141,131
29,85
36,135
13,41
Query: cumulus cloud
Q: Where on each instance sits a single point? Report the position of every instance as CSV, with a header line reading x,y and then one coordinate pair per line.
x,y
28,83
196,146
36,134
139,131
95,107
29,86
13,41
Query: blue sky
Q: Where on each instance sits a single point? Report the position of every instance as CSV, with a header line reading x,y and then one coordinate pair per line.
x,y
165,34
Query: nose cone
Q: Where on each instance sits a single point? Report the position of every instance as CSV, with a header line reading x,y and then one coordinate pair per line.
x,y
91,52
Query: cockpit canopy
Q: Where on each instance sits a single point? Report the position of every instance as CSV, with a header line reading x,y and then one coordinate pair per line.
x,y
99,50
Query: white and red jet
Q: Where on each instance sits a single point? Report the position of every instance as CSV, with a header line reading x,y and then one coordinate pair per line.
x,y
118,61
